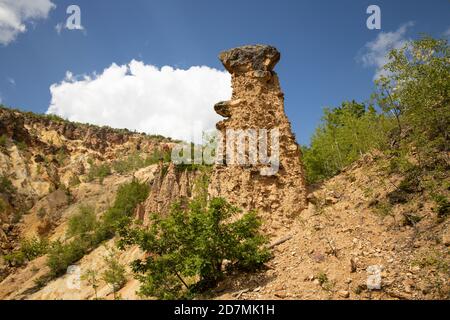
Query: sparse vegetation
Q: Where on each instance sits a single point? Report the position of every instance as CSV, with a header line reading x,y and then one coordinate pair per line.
x,y
3,142
87,232
99,172
82,224
188,248
6,185
410,122
29,250
91,277
21,145
62,255
114,275
138,160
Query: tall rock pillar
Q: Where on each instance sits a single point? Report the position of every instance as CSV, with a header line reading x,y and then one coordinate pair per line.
x,y
277,192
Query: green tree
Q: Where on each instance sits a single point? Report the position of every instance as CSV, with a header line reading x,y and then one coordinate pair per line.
x,y
415,88
346,133
114,275
83,223
186,250
91,277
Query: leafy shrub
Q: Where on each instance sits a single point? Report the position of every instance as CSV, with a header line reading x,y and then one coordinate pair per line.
x,y
4,141
6,185
21,145
16,258
29,250
62,255
99,171
83,223
346,133
193,244
128,197
442,207
34,247
91,277
114,275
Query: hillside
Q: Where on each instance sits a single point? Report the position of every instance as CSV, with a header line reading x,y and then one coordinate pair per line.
x,y
344,232
91,212
329,249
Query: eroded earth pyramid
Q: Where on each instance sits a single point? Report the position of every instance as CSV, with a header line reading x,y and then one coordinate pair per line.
x,y
257,104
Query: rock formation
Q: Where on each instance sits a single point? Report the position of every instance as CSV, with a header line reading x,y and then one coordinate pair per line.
x,y
169,186
258,103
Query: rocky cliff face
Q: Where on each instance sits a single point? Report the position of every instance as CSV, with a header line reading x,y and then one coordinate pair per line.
x,y
276,190
169,186
44,162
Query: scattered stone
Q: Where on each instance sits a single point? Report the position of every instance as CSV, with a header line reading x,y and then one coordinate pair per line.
x,y
344,294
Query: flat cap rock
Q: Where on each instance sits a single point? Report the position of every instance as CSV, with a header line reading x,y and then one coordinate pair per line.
x,y
250,58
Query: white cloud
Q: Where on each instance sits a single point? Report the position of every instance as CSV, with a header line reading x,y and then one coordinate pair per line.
x,y
375,52
14,14
11,81
164,101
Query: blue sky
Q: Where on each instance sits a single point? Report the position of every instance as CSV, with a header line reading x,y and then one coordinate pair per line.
x,y
321,42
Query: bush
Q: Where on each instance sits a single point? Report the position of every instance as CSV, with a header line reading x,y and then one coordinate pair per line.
x,y
4,141
29,250
128,197
442,207
114,275
346,133
190,246
83,223
6,185
138,160
21,145
99,171
34,247
61,256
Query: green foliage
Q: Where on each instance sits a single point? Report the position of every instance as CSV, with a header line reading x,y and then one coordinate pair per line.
x,y
74,181
82,224
21,145
91,277
114,275
4,141
41,213
99,171
62,255
61,156
416,90
34,247
128,197
87,232
192,244
413,99
29,250
6,185
345,134
442,207
3,205
137,160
